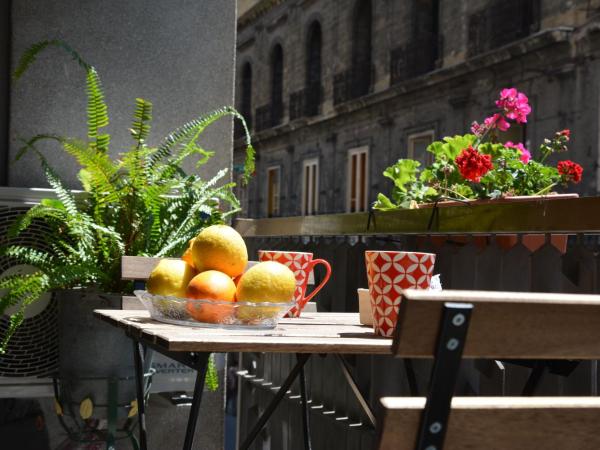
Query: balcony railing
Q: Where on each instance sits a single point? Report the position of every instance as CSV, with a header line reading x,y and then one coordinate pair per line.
x,y
268,116
472,253
502,22
415,58
306,102
352,83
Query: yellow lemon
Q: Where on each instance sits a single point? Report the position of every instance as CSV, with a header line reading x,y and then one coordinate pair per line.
x,y
170,277
220,247
267,281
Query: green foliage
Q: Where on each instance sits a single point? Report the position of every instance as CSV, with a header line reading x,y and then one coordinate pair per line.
x,y
442,179
141,203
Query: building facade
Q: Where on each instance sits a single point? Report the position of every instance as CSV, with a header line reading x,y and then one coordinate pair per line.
x,y
337,91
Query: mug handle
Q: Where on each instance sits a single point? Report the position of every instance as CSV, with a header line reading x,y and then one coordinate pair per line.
x,y
312,264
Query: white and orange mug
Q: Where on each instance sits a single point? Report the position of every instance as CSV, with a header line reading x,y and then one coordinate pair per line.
x,y
302,264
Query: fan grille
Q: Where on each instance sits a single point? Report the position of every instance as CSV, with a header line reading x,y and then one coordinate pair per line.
x,y
33,349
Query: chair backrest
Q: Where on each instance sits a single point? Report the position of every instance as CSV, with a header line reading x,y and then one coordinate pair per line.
x,y
503,325
137,267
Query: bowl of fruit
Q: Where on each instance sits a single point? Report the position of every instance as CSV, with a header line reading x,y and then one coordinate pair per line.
x,y
212,285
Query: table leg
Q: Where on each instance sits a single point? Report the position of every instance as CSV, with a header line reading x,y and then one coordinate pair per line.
x,y
200,366
302,359
138,359
305,413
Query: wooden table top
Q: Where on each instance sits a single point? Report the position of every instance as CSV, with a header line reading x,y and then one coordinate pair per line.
x,y
312,333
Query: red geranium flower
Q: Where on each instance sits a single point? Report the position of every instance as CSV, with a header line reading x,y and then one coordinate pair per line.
x,y
570,171
472,165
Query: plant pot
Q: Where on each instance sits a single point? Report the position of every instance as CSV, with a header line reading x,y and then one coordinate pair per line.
x,y
505,241
95,359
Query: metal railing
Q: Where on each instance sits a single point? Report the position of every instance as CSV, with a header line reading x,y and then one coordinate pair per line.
x,y
538,245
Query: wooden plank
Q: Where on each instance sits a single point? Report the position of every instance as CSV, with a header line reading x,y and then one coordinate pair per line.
x,y
137,267
547,215
498,423
313,333
504,325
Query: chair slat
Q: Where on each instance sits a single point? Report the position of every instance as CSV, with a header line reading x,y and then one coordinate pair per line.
x,y
504,325
137,267
498,423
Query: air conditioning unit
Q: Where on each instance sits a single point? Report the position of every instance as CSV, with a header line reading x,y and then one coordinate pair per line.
x,y
27,368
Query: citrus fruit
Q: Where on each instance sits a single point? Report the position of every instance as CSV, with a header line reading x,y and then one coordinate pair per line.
x,y
267,281
220,247
170,277
210,285
187,255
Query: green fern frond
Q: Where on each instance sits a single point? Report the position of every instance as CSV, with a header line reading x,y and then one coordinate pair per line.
x,y
30,55
97,111
37,212
212,378
63,194
140,127
27,255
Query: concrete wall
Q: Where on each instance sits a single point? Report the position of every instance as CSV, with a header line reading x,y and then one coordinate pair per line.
x,y
178,54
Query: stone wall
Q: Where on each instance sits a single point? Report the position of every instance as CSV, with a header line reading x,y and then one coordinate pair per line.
x,y
554,65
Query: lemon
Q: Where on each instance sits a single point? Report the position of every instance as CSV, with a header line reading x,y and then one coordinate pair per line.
x,y
170,277
267,281
220,247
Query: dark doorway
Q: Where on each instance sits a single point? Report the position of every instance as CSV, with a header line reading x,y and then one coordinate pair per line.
x,y
276,85
313,69
361,48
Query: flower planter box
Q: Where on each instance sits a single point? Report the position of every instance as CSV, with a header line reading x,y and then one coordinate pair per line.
x,y
531,241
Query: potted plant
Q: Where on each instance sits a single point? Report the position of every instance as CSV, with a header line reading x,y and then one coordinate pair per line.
x,y
479,166
140,203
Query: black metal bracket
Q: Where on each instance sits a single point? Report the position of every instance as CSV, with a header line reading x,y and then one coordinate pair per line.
x,y
449,348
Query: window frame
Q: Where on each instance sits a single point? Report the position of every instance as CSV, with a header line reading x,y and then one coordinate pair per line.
x,y
352,152
412,137
308,190
276,211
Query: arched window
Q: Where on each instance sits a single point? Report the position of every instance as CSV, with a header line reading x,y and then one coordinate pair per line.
x,y
313,69
276,85
246,100
361,48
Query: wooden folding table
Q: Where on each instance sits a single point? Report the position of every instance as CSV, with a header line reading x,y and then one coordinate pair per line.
x,y
313,333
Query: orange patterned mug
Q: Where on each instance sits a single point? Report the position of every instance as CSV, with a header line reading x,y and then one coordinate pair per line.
x,y
301,264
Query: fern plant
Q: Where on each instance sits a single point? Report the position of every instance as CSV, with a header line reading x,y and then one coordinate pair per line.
x,y
140,203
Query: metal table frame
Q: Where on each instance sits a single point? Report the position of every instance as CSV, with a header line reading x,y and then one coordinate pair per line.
x,y
199,362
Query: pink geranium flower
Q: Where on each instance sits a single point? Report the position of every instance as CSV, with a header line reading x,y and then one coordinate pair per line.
x,y
496,121
525,154
515,105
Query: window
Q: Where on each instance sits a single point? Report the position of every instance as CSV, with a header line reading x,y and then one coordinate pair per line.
x,y
273,189
313,70
276,85
310,187
361,48
417,147
358,179
241,192
246,101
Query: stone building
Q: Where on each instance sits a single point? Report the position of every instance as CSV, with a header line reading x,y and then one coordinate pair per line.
x,y
336,91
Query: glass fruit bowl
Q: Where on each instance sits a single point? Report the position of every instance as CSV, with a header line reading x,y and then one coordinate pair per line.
x,y
213,313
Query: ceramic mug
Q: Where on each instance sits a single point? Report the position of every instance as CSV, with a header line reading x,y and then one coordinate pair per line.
x,y
388,274
301,264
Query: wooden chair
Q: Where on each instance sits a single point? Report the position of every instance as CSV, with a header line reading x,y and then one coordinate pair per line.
x,y
451,325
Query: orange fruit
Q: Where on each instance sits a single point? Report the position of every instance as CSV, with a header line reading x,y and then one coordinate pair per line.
x,y
220,247
187,255
210,285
